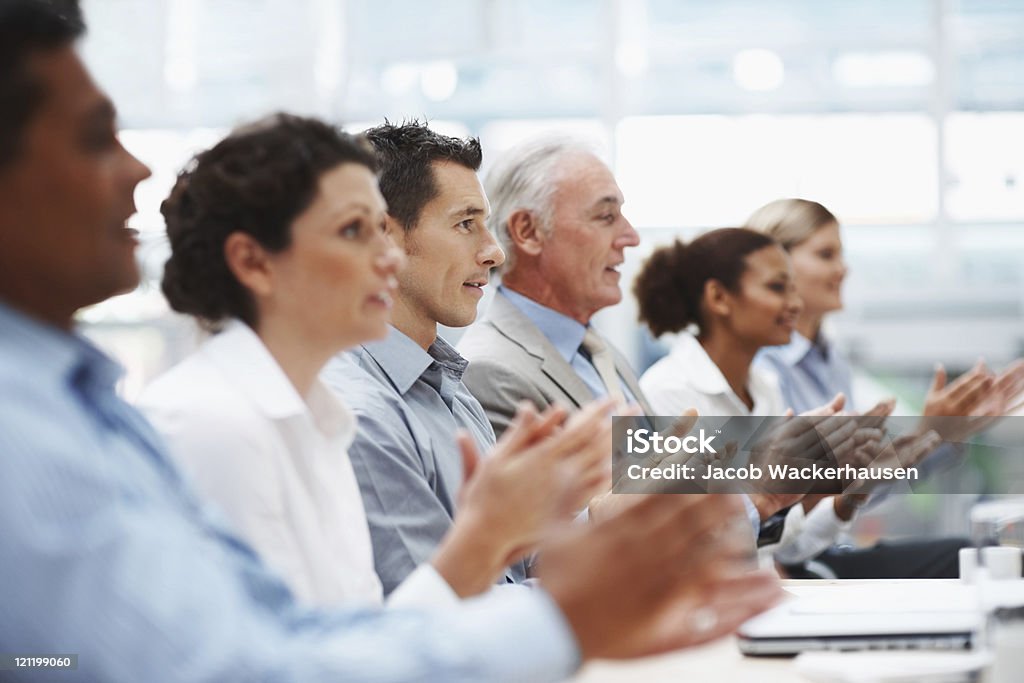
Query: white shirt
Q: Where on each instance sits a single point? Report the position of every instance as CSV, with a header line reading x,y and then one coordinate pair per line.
x,y
276,463
688,378
816,532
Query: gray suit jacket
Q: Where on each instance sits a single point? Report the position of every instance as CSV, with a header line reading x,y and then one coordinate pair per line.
x,y
510,361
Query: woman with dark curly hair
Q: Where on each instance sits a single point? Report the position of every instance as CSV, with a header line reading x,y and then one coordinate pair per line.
x,y
734,285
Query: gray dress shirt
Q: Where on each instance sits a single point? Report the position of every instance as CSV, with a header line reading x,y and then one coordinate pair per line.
x,y
409,403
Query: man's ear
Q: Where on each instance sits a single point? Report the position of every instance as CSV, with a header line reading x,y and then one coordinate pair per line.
x,y
248,261
717,299
525,232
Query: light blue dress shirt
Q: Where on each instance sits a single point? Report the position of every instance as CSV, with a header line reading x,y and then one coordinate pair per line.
x,y
409,403
566,335
810,373
106,554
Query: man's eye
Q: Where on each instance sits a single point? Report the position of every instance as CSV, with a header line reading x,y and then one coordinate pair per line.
x,y
467,224
608,218
99,139
778,287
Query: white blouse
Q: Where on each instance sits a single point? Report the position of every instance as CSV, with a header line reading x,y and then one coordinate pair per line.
x,y
688,378
275,462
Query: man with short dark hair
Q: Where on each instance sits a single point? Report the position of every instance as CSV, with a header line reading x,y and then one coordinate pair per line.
x,y
109,558
407,389
62,166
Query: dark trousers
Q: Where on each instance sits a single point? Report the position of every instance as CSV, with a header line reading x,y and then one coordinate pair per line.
x,y
934,558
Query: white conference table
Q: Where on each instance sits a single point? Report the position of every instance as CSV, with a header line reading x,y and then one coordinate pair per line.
x,y
720,661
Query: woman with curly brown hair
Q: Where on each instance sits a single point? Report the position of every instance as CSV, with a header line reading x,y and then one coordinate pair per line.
x,y
276,246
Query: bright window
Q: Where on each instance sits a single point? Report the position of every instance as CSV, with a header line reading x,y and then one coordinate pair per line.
x,y
711,171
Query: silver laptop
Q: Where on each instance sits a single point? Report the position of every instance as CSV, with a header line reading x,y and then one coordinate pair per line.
x,y
867,615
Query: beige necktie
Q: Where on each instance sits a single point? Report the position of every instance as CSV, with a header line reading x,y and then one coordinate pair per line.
x,y
604,363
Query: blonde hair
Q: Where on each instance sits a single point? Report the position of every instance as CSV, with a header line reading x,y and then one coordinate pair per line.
x,y
791,221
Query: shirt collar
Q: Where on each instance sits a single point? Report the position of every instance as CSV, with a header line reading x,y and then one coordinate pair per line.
x,y
65,356
704,376
453,364
564,333
701,371
795,351
241,356
404,361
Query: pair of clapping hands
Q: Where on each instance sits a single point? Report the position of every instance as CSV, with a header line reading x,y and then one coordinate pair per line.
x,y
827,435
831,435
972,402
953,412
658,573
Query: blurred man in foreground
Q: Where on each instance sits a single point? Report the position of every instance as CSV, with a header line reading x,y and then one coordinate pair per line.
x,y
106,553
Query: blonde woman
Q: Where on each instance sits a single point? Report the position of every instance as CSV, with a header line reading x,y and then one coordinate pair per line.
x,y
810,370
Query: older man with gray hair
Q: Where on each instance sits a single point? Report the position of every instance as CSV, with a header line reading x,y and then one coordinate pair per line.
x,y
557,211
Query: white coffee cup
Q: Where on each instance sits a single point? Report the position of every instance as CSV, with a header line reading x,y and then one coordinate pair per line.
x,y
1003,562
968,559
